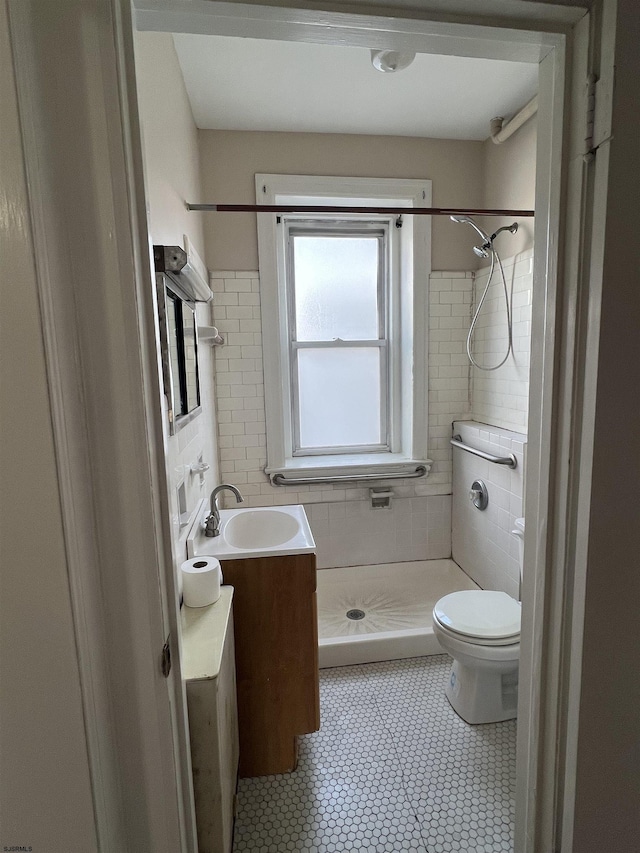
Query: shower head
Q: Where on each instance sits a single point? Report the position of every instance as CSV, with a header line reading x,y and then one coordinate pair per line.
x,y
469,221
487,245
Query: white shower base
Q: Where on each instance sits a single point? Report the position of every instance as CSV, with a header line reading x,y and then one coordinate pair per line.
x,y
397,599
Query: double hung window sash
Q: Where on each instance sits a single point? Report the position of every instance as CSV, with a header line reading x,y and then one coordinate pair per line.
x,y
339,347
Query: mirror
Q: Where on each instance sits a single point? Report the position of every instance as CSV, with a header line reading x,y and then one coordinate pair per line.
x,y
179,349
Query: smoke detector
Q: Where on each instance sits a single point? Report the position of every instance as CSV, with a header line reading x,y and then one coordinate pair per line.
x,y
389,61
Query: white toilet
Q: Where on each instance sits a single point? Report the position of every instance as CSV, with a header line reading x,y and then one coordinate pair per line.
x,y
480,629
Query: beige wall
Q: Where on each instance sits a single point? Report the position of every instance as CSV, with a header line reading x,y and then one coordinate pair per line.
x,y
230,159
45,796
172,171
172,176
509,173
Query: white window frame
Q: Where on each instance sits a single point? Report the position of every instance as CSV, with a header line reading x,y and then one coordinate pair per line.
x,y
387,282
410,260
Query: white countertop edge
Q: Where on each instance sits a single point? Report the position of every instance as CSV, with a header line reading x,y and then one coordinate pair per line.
x,y
249,555
204,630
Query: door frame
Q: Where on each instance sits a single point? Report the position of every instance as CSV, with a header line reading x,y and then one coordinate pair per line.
x,y
95,280
113,480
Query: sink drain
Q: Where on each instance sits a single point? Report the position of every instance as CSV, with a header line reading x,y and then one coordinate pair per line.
x,y
355,614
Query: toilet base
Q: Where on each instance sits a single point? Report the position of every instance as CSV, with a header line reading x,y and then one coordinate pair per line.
x,y
483,695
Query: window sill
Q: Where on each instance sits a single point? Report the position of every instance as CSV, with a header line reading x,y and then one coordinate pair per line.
x,y
345,467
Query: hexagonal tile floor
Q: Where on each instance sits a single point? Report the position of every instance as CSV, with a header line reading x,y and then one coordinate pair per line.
x,y
392,768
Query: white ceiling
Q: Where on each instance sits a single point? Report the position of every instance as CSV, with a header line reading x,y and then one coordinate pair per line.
x,y
253,84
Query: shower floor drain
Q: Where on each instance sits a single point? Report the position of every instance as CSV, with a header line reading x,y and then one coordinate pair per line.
x,y
355,614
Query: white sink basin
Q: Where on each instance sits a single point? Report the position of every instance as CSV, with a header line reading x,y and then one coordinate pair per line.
x,y
257,532
261,529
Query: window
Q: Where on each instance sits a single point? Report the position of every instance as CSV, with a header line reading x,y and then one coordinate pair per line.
x,y
344,326
338,297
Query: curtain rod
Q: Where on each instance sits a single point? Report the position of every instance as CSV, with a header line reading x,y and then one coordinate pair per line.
x,y
396,211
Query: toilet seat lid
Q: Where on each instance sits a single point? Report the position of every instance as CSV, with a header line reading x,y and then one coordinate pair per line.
x,y
479,613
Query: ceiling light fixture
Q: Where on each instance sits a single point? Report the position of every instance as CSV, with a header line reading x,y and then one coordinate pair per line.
x,y
389,61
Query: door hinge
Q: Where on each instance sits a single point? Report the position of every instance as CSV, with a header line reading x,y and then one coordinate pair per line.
x,y
166,657
589,148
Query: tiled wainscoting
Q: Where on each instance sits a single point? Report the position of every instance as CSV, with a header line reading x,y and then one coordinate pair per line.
x,y
351,533
242,437
501,396
393,768
193,443
450,295
483,544
240,390
455,390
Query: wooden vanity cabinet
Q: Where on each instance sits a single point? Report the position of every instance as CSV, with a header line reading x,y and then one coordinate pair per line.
x,y
276,641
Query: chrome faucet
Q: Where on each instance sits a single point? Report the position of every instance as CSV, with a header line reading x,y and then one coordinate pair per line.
x,y
212,521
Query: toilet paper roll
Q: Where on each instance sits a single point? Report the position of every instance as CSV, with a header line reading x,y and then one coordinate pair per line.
x,y
201,579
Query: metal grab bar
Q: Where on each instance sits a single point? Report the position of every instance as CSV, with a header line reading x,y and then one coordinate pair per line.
x,y
510,461
281,480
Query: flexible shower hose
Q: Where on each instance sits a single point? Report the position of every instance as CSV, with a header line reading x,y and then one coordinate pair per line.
x,y
509,308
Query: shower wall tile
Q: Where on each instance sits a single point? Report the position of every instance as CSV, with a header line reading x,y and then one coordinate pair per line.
x,y
501,397
456,391
351,533
450,297
241,416
192,444
482,542
240,389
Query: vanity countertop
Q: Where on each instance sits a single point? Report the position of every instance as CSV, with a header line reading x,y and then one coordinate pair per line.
x,y
260,531
203,634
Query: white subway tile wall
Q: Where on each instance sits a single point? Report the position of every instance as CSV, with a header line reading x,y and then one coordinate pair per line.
x,y
501,397
194,442
351,533
482,542
418,527
450,295
240,390
242,431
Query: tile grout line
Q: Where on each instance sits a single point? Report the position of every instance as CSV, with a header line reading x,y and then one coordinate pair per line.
x,y
374,774
403,772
